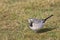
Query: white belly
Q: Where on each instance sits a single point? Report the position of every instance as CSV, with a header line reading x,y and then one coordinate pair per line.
x,y
37,26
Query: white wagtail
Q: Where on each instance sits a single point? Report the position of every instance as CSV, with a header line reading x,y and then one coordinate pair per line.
x,y
37,24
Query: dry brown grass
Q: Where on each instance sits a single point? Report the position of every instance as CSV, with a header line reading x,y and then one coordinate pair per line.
x,y
14,15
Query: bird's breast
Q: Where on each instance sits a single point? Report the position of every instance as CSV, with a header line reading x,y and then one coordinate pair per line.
x,y
37,26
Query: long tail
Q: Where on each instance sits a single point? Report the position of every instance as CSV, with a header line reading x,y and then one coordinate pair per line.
x,y
47,18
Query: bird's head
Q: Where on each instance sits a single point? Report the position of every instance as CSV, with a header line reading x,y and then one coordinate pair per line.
x,y
30,20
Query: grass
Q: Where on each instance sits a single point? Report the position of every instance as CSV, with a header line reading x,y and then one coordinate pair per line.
x,y
15,13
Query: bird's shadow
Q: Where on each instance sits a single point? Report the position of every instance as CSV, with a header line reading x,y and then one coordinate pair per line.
x,y
45,30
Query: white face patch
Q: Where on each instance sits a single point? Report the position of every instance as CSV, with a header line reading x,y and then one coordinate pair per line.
x,y
30,20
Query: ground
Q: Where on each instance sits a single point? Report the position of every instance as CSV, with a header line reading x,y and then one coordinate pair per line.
x,y
15,13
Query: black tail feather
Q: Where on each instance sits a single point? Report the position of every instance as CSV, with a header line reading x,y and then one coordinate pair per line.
x,y
47,18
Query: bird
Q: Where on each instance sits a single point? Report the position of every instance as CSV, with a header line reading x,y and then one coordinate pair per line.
x,y
37,24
